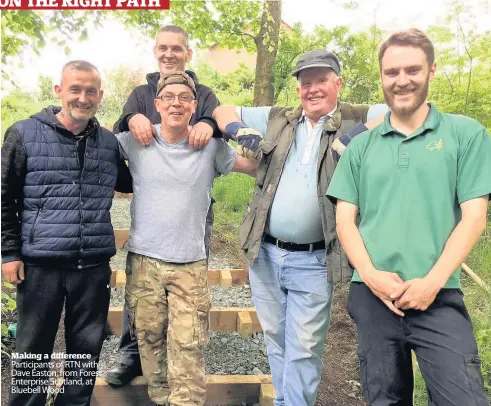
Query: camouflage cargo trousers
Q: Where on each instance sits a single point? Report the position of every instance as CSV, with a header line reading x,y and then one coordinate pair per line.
x,y
169,306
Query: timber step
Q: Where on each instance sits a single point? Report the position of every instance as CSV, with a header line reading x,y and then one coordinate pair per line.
x,y
119,195
223,277
243,320
220,390
121,235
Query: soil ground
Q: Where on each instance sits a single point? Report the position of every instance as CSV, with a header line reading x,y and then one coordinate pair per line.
x,y
339,385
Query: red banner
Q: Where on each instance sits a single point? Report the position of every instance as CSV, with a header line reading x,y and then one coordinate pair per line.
x,y
84,4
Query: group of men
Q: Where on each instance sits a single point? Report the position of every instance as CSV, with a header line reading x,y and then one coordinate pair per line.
x,y
405,194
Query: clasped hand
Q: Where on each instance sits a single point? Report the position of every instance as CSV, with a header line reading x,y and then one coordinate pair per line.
x,y
396,294
250,142
143,131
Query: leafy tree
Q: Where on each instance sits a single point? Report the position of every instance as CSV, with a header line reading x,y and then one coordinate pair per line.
x,y
463,59
118,84
45,86
18,105
234,88
267,47
291,46
253,25
26,28
250,24
356,52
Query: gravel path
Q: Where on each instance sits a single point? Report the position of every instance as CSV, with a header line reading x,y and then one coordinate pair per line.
x,y
236,296
120,213
227,353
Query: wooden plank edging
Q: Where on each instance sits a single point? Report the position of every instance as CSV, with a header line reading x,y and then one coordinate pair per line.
x,y
221,319
220,389
119,195
215,277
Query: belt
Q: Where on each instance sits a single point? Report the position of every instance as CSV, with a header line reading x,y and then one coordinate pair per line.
x,y
290,246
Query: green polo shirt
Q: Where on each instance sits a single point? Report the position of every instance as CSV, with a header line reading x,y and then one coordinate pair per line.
x,y
409,189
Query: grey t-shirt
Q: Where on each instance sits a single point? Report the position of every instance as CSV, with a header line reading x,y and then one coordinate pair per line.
x,y
171,194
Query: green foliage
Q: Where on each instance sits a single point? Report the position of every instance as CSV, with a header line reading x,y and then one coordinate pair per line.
x,y
17,106
233,88
479,301
18,28
8,307
234,191
228,23
232,194
118,84
29,29
291,46
358,56
357,53
46,92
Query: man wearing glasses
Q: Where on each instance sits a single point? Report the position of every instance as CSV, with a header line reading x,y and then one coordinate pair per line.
x,y
166,289
172,53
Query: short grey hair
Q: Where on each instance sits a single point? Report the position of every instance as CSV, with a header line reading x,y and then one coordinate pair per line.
x,y
177,29
80,64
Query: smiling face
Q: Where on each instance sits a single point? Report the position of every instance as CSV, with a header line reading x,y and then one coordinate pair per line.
x,y
176,104
80,93
318,89
171,52
405,74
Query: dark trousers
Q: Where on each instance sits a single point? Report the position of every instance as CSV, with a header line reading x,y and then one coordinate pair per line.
x,y
128,344
40,299
442,339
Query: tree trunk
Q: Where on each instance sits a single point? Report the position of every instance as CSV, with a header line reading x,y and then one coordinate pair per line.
x,y
267,47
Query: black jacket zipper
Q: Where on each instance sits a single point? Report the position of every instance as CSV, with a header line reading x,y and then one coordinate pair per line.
x,y
33,228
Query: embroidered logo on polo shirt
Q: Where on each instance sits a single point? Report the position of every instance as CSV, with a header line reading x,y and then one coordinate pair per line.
x,y
435,145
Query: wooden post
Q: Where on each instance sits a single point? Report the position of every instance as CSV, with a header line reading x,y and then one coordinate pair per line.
x,y
237,277
221,319
475,278
244,324
226,278
266,395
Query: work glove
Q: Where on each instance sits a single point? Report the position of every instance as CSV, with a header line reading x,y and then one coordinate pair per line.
x,y
340,144
249,141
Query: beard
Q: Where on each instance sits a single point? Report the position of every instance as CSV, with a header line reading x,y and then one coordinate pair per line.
x,y
84,115
420,95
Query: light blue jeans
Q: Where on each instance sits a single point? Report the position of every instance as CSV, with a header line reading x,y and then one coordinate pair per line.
x,y
293,302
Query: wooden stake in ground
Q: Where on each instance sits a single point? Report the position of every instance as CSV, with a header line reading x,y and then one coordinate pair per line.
x,y
475,278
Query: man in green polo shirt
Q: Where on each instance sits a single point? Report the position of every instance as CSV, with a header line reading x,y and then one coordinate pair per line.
x,y
421,182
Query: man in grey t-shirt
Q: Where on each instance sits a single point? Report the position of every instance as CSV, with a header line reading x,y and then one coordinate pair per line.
x,y
166,288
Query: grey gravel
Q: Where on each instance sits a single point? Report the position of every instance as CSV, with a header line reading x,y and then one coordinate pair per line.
x,y
117,297
238,356
120,213
235,296
215,262
119,260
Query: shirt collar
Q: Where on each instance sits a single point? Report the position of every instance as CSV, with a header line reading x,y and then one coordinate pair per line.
x,y
431,123
323,118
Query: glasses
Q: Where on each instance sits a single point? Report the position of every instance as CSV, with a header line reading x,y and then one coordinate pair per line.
x,y
169,98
